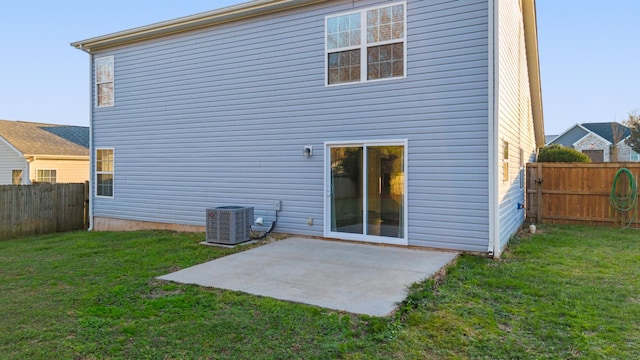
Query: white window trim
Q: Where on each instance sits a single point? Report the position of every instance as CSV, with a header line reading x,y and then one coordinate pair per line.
x,y
46,169
113,81
96,173
363,45
327,191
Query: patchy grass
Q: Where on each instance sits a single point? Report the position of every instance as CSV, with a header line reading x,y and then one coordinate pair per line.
x,y
570,292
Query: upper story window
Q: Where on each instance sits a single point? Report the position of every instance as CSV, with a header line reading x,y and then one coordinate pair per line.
x,y
104,81
366,45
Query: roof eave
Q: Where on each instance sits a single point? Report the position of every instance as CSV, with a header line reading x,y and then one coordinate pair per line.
x,y
55,157
533,64
187,23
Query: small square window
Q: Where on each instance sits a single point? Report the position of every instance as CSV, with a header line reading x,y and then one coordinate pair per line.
x,y
16,177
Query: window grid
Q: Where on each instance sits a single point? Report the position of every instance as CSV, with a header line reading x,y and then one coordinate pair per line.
x,y
378,51
46,176
16,177
104,172
105,91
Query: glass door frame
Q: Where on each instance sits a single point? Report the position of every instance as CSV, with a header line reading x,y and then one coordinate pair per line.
x,y
328,233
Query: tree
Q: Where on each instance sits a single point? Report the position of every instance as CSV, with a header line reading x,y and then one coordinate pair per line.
x,y
633,122
617,131
559,153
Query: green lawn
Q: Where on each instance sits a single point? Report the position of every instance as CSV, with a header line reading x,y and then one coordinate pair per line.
x,y
569,292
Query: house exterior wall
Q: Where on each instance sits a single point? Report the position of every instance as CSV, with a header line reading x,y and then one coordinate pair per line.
x,y
67,171
514,119
11,160
219,116
624,152
594,142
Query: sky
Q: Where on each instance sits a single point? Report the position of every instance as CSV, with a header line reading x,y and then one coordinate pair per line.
x,y
589,55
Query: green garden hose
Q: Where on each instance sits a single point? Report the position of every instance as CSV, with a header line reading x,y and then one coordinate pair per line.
x,y
624,198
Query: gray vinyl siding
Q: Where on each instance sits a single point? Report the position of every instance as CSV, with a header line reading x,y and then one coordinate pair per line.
x,y
11,160
515,116
219,116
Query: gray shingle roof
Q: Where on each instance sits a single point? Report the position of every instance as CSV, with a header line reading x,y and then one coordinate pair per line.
x,y
612,131
76,134
46,139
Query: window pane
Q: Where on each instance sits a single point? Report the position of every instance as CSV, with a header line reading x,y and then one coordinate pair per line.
x,y
346,189
344,66
16,176
104,160
385,24
385,191
46,176
332,25
104,185
105,94
343,31
104,69
385,61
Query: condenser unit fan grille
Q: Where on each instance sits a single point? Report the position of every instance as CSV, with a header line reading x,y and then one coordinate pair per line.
x,y
229,224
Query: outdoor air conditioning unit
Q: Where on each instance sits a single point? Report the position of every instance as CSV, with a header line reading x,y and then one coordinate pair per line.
x,y
229,225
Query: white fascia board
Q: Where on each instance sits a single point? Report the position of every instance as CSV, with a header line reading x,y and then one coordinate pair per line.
x,y
191,22
533,67
56,157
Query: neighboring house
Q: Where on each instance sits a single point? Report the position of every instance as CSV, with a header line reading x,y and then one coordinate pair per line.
x,y
417,118
602,142
548,138
36,152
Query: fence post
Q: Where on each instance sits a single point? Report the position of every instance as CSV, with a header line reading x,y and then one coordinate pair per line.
x,y
86,204
539,193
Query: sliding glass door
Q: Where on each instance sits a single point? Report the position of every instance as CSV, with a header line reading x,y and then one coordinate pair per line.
x,y
366,192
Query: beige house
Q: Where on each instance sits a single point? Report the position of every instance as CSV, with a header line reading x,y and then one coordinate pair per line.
x,y
37,152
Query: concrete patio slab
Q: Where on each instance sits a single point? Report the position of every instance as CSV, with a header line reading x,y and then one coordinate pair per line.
x,y
357,278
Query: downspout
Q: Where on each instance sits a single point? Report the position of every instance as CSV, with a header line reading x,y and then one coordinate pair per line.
x,y
493,249
91,154
28,161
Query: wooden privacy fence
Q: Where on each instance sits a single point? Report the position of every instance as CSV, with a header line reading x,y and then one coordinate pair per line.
x,y
574,193
42,208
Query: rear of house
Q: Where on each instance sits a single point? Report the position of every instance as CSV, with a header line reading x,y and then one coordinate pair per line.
x,y
400,122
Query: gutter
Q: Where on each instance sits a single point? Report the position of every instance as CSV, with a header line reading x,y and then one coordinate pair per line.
x,y
31,157
533,65
191,22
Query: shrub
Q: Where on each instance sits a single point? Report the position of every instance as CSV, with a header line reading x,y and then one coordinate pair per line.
x,y
559,153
